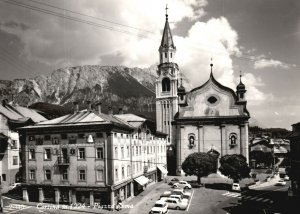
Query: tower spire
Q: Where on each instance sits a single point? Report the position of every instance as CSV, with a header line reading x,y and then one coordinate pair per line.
x,y
167,39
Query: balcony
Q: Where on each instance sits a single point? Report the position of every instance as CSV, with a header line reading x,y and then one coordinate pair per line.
x,y
63,161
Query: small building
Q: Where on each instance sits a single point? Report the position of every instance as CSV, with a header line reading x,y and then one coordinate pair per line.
x,y
90,157
262,145
12,117
294,173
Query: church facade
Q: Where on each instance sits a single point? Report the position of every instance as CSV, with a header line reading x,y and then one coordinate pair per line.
x,y
209,118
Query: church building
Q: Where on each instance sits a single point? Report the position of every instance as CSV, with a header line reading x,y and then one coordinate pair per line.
x,y
209,118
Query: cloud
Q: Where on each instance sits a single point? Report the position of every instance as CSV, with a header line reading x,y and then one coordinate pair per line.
x,y
60,42
265,63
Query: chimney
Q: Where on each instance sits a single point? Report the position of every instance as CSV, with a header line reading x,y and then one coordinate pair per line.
x,y
76,107
121,110
99,107
4,102
89,105
110,110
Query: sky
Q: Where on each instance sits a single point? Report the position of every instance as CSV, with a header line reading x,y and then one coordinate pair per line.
x,y
260,38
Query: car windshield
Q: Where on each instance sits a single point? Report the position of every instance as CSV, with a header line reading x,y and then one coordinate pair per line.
x,y
158,205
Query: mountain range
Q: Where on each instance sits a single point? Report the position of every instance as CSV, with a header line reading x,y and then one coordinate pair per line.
x,y
131,89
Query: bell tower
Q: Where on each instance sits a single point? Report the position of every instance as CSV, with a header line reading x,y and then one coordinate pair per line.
x,y
241,90
166,83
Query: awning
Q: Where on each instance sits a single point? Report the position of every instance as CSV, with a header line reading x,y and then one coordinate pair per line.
x,y
142,180
162,169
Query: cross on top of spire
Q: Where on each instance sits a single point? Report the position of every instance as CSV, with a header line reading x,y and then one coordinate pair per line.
x,y
211,65
167,11
241,76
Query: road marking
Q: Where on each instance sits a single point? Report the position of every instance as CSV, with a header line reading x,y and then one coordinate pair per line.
x,y
190,201
232,194
247,197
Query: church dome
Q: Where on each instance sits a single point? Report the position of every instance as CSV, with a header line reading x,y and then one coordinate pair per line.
x,y
240,86
181,89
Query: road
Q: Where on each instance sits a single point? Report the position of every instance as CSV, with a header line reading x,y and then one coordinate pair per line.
x,y
210,200
272,199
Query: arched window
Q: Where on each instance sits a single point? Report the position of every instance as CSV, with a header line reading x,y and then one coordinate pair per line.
x,y
166,84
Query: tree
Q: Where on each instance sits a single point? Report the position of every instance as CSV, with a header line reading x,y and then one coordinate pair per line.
x,y
199,164
235,167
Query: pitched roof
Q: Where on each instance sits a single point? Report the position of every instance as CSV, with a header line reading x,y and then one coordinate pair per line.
x,y
15,112
132,119
262,142
81,118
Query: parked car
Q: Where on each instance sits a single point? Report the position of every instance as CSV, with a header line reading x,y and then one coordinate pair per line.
x,y
195,184
185,194
160,207
268,178
182,184
280,183
173,181
286,178
180,197
175,203
14,185
236,187
166,194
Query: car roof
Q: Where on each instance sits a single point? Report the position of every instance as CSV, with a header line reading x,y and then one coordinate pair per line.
x,y
174,195
160,202
178,189
176,199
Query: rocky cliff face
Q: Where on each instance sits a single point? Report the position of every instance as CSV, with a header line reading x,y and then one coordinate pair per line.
x,y
116,86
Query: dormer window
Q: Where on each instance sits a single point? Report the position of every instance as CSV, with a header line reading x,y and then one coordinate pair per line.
x,y
171,55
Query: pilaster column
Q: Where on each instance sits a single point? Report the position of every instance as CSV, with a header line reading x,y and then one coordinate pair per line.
x,y
70,196
199,127
41,195
112,198
201,131
25,194
243,141
56,191
178,149
91,198
125,192
74,196
223,140
163,116
247,141
131,189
